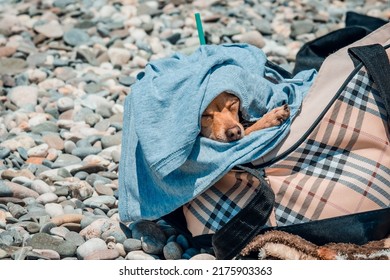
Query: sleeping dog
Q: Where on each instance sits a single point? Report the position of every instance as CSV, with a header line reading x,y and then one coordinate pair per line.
x,y
221,122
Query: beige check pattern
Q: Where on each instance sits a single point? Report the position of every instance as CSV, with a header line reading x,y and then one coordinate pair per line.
x,y
343,167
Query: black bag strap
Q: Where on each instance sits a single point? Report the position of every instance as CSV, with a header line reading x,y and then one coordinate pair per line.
x,y
358,228
235,234
376,61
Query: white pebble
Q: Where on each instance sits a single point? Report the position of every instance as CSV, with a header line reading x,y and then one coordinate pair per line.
x,y
38,151
54,209
47,198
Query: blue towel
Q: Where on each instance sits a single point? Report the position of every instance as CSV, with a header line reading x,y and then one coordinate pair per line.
x,y
164,162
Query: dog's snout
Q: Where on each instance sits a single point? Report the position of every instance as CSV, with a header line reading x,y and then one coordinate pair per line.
x,y
234,133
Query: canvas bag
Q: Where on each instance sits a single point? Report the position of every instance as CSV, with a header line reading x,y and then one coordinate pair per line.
x,y
332,170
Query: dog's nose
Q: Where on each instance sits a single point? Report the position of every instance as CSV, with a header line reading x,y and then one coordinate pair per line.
x,y
234,133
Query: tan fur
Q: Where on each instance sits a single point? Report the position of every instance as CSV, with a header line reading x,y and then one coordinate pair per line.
x,y
220,120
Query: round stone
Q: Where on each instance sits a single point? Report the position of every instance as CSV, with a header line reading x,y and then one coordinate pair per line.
x,y
153,238
75,37
182,241
74,238
24,95
66,160
12,66
51,29
83,152
47,198
106,254
97,201
44,127
65,103
16,190
69,146
4,152
190,252
90,246
132,244
172,251
46,241
203,257
139,255
119,56
38,151
59,231
54,209
40,186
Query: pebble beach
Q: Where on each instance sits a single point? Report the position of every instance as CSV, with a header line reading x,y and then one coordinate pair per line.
x,y
66,67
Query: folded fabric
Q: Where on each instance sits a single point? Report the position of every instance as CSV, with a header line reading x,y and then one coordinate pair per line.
x,y
164,161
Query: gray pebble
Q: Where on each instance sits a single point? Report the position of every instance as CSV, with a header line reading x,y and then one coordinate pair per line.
x,y
63,172
93,179
87,220
45,241
69,146
54,209
75,37
82,175
171,238
59,231
22,152
74,238
16,210
47,227
126,80
189,253
47,198
112,140
40,186
115,233
302,27
83,152
44,127
153,238
182,241
66,160
172,251
6,238
4,152
92,119
132,244
97,201
65,103
3,254
32,227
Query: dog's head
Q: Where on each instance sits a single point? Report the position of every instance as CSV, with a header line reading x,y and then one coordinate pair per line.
x,y
220,120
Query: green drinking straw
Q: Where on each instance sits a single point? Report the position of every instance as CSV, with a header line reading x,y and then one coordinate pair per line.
x,y
200,29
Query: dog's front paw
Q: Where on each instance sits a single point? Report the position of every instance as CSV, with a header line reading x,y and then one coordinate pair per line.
x,y
278,115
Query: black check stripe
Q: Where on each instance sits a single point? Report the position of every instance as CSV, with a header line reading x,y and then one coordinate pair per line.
x,y
334,165
286,216
329,162
356,92
219,211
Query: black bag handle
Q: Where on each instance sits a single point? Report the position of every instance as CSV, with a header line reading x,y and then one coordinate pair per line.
x,y
236,234
376,61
